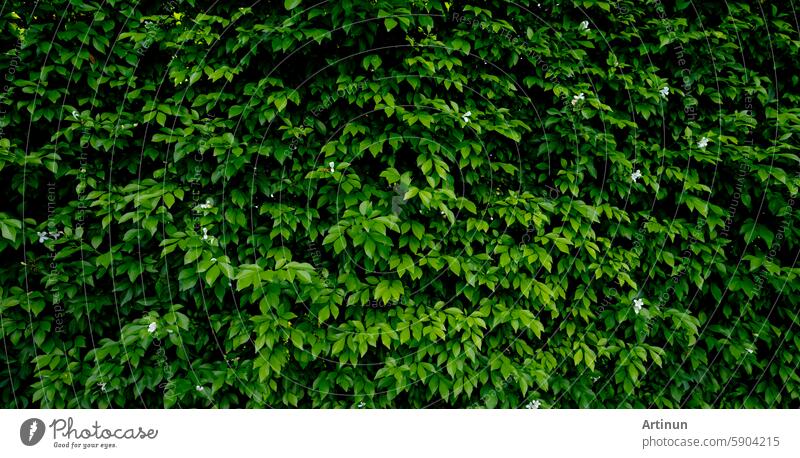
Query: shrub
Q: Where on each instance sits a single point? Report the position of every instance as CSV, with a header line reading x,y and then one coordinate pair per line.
x,y
399,204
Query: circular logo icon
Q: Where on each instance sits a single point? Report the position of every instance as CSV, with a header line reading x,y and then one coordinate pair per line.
x,y
31,431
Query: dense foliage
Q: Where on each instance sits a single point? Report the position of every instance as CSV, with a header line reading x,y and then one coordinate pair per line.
x,y
399,204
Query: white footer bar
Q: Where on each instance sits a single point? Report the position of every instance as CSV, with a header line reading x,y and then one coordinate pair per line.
x,y
400,433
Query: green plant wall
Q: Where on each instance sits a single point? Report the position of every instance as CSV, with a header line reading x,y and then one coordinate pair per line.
x,y
399,204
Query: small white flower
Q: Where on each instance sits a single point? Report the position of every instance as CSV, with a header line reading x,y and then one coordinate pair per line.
x,y
199,388
213,259
152,327
361,405
331,164
272,195
533,404
584,26
577,98
75,114
750,350
664,92
42,237
465,116
205,233
636,175
637,305
702,143
102,386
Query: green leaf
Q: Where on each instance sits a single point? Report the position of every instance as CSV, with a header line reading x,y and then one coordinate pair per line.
x,y
212,274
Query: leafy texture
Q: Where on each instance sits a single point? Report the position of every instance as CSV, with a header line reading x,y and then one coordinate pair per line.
x,y
399,204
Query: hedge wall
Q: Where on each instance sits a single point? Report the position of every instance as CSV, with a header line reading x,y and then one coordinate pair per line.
x,y
399,204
